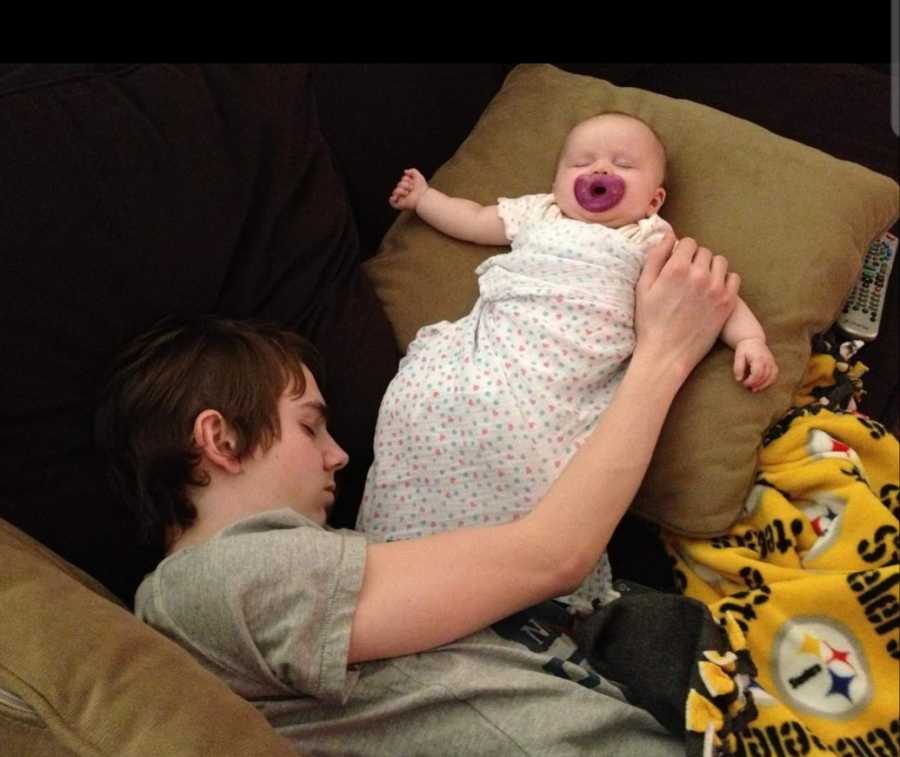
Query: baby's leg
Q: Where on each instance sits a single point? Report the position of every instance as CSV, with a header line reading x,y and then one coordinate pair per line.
x,y
451,446
563,369
486,412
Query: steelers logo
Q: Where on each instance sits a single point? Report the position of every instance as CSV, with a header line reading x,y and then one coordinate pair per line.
x,y
819,445
825,513
819,668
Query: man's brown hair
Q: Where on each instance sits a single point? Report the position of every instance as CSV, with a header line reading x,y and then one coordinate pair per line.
x,y
161,382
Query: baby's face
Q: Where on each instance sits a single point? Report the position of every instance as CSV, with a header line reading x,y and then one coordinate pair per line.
x,y
618,146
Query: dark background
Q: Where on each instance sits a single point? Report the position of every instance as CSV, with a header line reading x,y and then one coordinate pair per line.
x,y
132,189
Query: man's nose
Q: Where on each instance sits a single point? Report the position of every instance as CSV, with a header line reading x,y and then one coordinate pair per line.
x,y
335,457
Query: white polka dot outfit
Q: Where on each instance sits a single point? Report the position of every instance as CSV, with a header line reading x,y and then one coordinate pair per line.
x,y
484,412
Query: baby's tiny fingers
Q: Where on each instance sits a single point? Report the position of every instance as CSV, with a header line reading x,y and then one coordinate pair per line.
x,y
771,374
753,378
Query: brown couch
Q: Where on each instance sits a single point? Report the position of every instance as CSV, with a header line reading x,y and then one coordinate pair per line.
x,y
134,190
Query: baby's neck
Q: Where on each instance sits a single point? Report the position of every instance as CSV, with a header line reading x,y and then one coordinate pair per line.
x,y
614,225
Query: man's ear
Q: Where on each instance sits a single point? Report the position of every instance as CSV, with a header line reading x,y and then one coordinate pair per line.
x,y
217,441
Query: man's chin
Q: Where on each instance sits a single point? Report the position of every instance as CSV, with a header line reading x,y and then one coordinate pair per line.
x,y
325,512
318,515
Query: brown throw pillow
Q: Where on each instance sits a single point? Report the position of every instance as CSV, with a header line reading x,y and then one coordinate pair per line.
x,y
94,680
792,220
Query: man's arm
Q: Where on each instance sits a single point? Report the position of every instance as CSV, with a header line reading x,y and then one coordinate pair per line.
x,y
454,216
422,593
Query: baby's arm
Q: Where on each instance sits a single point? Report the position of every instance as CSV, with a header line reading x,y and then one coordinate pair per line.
x,y
744,334
459,218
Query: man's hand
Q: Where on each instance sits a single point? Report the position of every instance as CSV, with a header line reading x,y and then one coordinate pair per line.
x,y
754,356
684,296
661,247
409,190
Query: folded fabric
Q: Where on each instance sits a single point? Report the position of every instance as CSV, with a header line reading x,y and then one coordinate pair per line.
x,y
673,659
810,573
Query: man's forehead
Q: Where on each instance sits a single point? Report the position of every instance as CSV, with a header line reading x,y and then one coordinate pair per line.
x,y
316,405
311,394
308,401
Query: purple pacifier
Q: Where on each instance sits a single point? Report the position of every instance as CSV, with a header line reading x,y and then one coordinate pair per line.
x,y
597,192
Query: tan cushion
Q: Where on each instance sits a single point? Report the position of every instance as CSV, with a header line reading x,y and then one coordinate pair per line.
x,y
792,220
23,732
100,682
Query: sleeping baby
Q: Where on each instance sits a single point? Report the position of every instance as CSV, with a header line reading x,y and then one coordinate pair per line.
x,y
485,411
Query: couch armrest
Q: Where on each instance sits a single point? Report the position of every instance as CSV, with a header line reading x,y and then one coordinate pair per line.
x,y
98,680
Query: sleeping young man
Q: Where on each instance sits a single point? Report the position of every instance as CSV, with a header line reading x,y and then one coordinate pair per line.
x,y
216,434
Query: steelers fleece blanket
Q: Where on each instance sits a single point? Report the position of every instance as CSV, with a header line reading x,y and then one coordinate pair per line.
x,y
810,573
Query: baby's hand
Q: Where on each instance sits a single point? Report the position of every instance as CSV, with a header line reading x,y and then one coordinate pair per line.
x,y
754,356
409,190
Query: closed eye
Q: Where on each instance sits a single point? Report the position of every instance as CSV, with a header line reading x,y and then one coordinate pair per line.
x,y
313,416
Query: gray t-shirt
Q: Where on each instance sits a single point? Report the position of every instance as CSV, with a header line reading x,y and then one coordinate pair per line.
x,y
267,605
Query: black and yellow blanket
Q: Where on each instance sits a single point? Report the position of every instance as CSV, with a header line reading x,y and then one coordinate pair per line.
x,y
810,574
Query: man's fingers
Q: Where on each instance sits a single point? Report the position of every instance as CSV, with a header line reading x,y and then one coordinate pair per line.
x,y
684,250
703,258
732,284
667,241
657,257
719,268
